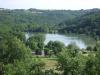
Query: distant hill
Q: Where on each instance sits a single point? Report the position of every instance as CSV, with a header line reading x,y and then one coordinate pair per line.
x,y
88,23
36,20
37,16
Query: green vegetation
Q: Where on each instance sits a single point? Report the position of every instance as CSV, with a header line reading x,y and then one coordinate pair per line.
x,y
55,46
85,24
36,42
19,56
33,20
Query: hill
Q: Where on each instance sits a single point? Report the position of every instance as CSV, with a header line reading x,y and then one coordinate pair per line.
x,y
88,23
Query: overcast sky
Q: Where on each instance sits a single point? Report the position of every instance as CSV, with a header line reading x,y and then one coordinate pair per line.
x,y
50,4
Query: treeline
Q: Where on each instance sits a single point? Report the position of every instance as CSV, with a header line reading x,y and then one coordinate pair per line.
x,y
50,21
36,16
88,24
35,20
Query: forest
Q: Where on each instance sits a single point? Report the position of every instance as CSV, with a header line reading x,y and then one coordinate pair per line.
x,y
21,56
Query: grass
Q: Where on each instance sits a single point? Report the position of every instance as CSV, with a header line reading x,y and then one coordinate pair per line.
x,y
50,63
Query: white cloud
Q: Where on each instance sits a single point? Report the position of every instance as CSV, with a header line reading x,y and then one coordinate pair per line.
x,y
50,4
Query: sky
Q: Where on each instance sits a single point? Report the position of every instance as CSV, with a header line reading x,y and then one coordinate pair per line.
x,y
50,4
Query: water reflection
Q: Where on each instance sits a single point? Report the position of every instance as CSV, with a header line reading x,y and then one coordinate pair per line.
x,y
65,39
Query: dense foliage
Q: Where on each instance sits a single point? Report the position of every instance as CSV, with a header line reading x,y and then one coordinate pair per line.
x,y
33,20
88,24
19,56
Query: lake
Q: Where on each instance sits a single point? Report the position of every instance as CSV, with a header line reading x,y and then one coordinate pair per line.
x,y
80,40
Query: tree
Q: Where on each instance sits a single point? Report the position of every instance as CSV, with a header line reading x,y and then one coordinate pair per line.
x,y
36,43
68,63
55,46
73,49
32,44
98,58
89,48
17,50
90,66
58,46
15,57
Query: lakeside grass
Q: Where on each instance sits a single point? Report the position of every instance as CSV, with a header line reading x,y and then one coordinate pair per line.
x,y
50,63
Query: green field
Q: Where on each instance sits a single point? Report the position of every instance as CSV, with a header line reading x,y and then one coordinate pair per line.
x,y
50,63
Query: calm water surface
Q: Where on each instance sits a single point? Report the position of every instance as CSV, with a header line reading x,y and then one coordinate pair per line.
x,y
65,39
81,42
